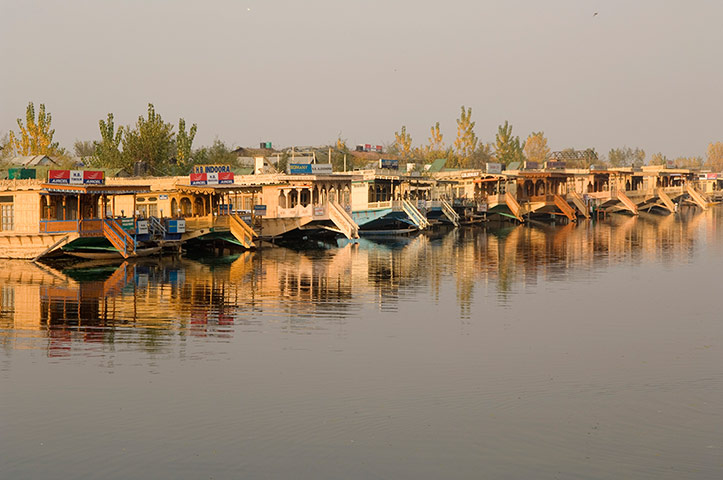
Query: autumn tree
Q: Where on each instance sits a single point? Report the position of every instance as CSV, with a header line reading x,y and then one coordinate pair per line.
x,y
149,144
626,157
35,136
692,163
466,142
536,149
658,159
714,159
507,147
403,143
107,151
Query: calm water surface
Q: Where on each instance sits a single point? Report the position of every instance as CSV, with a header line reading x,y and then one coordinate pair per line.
x,y
591,351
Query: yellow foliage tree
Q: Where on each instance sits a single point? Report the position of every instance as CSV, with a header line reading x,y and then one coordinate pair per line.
x,y
403,143
466,141
536,149
715,157
35,136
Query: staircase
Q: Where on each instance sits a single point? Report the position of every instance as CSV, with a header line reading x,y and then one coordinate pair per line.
x,y
627,203
343,221
667,201
450,213
415,215
697,197
156,227
119,238
579,203
242,231
565,208
514,206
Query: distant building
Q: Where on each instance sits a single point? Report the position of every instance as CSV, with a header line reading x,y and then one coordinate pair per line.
x,y
34,161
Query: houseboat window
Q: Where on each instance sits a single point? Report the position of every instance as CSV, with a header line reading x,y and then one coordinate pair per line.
x,y
7,210
7,299
152,199
141,199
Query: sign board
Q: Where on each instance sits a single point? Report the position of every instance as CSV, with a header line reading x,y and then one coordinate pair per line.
x,y
162,197
211,168
670,164
321,168
142,227
552,164
389,163
469,174
177,226
379,149
532,165
76,177
127,223
712,176
260,210
310,168
482,207
212,178
494,168
319,211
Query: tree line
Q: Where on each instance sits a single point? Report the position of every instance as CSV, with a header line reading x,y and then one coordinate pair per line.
x,y
467,151
156,147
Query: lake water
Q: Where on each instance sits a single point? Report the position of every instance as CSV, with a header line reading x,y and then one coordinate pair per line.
x,y
571,352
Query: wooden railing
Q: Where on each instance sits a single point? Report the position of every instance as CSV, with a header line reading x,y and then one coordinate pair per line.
x,y
58,226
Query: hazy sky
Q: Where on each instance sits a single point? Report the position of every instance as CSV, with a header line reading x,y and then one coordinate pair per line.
x,y
645,73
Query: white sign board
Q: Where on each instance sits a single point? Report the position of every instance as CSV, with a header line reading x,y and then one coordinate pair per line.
x,y
494,168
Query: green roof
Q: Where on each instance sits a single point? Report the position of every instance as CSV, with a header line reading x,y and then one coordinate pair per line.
x,y
437,165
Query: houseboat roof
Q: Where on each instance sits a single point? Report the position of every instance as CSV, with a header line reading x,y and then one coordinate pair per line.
x,y
91,189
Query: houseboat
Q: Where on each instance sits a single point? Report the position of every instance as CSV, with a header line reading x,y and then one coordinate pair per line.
x,y
71,211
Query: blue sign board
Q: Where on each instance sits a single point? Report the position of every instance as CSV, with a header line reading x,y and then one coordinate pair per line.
x,y
259,210
389,163
300,168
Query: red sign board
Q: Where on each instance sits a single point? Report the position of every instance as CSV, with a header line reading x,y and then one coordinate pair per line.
x,y
212,178
76,177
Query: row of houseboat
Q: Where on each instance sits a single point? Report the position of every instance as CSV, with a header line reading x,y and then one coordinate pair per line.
x,y
83,213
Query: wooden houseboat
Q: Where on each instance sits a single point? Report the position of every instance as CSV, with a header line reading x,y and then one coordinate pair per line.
x,y
386,202
70,211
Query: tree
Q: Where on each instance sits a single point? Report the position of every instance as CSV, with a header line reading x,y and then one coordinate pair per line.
x,y
715,157
150,144
436,139
536,149
217,154
692,163
466,142
658,159
403,143
84,148
507,147
626,157
107,151
184,140
482,155
36,136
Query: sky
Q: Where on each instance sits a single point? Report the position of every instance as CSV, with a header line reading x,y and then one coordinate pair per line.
x,y
642,73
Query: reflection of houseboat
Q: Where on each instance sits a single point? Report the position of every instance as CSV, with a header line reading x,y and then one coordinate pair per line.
x,y
73,210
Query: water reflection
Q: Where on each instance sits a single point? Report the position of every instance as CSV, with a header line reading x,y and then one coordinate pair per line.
x,y
155,304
